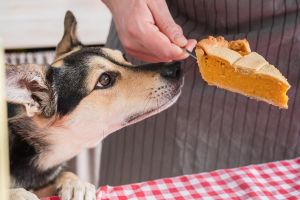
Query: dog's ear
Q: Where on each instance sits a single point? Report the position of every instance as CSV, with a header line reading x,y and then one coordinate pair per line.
x,y
69,40
30,85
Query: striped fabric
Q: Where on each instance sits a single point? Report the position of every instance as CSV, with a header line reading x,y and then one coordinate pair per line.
x,y
210,128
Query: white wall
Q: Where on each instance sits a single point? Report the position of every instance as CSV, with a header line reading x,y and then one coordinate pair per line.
x,y
39,23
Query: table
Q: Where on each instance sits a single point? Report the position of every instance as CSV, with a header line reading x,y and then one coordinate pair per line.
x,y
274,180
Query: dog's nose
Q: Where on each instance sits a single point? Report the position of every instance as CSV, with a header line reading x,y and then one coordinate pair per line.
x,y
171,71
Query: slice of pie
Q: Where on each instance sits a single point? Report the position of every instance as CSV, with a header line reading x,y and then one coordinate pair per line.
x,y
232,66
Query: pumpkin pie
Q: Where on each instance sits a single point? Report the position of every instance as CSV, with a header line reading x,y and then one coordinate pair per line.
x,y
232,66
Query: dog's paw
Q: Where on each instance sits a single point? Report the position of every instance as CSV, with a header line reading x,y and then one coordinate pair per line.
x,y
76,190
21,194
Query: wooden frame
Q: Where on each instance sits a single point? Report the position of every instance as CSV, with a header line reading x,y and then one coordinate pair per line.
x,y
4,160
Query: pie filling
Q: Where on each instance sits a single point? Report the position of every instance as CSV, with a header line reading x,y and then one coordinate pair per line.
x,y
219,72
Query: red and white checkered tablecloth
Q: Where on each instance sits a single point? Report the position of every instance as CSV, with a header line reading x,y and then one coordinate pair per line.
x,y
275,180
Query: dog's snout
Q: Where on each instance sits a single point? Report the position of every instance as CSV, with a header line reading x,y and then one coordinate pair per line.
x,y
171,71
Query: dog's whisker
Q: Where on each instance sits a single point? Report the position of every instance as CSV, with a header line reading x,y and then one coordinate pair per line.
x,y
168,96
148,100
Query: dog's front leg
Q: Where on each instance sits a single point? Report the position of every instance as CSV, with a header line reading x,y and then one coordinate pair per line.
x,y
70,187
21,194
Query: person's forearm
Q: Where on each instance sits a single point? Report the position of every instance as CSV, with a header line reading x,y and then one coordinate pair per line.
x,y
116,6
109,3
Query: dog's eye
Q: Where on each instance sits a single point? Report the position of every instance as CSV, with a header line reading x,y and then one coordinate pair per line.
x,y
105,80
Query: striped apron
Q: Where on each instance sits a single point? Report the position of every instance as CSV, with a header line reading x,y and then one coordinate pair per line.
x,y
210,128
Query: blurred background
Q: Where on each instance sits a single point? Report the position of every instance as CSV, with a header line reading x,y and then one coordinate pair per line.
x,y
32,28
39,23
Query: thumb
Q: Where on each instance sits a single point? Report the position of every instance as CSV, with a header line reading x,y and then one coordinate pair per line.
x,y
165,22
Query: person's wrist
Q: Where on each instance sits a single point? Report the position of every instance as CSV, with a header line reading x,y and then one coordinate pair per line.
x,y
109,3
117,6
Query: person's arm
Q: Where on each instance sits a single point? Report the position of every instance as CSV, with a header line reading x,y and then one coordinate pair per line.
x,y
147,30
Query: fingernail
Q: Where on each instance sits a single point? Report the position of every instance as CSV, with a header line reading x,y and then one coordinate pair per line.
x,y
180,40
190,48
191,45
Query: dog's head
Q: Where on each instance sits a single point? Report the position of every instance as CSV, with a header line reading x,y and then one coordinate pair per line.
x,y
92,86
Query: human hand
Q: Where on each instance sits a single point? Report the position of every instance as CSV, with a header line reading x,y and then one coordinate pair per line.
x,y
148,31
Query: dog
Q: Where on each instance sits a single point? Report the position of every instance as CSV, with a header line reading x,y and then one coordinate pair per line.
x,y
55,111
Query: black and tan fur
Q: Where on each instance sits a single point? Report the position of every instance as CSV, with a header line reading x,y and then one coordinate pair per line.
x,y
56,111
